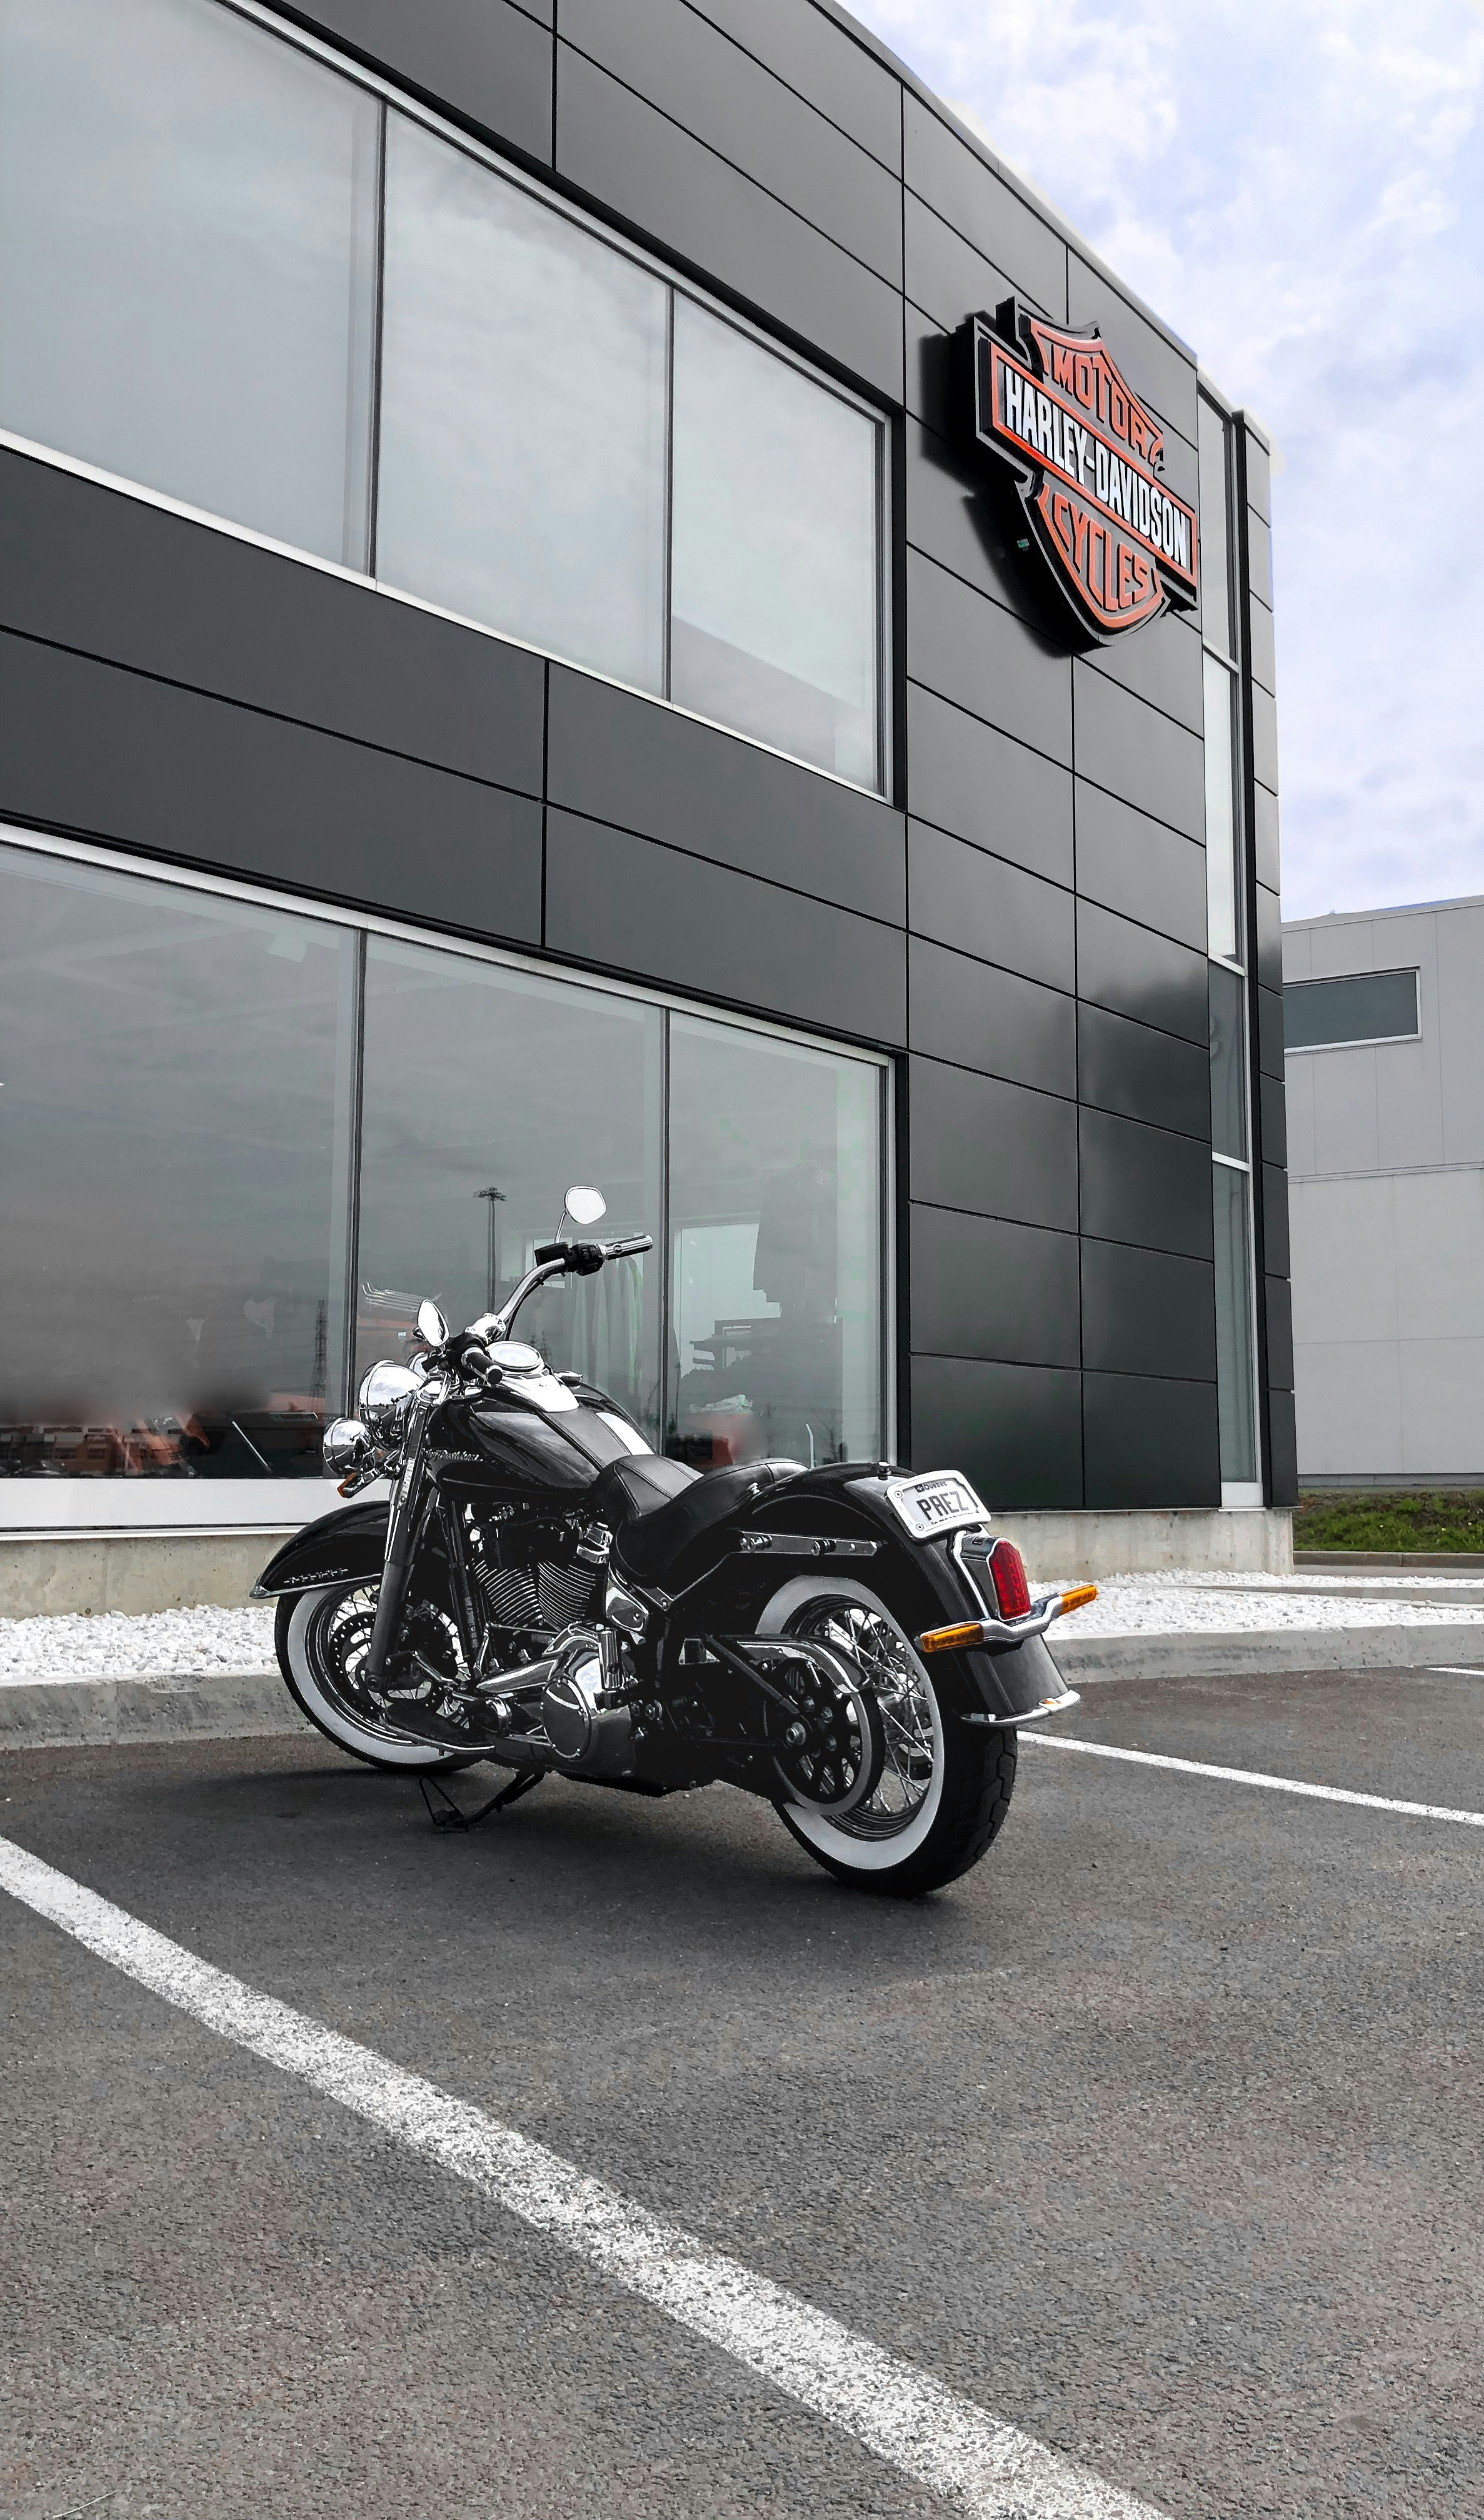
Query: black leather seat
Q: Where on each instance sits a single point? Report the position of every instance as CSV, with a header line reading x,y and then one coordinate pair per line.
x,y
656,1509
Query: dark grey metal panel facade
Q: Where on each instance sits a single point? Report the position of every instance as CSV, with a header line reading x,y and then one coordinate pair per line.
x,y
1023,921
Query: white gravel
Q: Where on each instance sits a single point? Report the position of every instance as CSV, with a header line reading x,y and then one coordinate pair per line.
x,y
1163,1606
175,1644
114,1645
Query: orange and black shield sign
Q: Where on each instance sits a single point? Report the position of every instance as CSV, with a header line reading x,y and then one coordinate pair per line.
x,y
1089,459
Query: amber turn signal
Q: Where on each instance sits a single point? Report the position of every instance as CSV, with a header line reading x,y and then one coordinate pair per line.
x,y
1078,1598
944,1640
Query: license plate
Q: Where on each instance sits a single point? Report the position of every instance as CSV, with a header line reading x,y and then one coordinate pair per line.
x,y
942,1502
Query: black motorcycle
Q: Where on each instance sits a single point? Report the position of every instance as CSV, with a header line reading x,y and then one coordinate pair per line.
x,y
543,1591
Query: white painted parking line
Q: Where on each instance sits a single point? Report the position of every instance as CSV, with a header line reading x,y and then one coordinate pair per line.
x,y
940,2440
1252,1777
1456,1670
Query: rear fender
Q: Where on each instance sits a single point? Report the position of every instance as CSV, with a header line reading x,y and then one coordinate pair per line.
x,y
346,1547
921,1583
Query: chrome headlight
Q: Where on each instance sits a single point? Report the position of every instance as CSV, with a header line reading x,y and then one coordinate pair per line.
x,y
345,1447
384,1396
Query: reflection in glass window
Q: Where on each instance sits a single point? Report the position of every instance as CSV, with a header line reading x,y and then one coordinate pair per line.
x,y
174,1127
178,1148
1229,1061
522,416
775,1257
216,281
773,575
1237,1409
187,260
1223,910
486,1091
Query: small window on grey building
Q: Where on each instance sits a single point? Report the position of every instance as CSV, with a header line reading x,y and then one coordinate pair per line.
x,y
1369,1005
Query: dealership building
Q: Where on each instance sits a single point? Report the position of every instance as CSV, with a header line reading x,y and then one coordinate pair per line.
x,y
600,593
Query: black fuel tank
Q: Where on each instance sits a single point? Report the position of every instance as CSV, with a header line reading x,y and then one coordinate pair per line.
x,y
556,1453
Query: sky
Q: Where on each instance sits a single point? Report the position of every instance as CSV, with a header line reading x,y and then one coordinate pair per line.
x,y
1297,188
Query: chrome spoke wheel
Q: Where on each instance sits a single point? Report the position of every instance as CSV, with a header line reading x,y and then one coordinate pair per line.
x,y
323,1640
903,1694
338,1639
943,1785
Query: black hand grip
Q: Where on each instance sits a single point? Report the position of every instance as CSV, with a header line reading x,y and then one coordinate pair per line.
x,y
473,1357
545,1252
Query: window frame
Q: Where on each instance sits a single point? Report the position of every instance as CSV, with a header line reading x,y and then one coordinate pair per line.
x,y
393,97
50,1505
1237,1493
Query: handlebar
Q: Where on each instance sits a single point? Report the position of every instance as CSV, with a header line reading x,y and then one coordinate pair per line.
x,y
559,1260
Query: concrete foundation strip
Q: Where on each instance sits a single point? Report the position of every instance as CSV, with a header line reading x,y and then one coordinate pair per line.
x,y
985,2469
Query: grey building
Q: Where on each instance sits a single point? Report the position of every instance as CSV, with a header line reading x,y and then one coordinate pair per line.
x,y
1384,1017
512,669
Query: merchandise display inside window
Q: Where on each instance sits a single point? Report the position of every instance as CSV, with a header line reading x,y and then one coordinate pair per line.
x,y
232,274
219,1117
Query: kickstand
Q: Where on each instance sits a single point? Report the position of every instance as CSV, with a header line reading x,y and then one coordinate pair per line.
x,y
451,1816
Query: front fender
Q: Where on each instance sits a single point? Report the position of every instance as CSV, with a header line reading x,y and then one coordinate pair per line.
x,y
346,1547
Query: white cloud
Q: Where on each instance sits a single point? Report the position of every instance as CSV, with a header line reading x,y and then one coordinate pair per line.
x,y
1299,187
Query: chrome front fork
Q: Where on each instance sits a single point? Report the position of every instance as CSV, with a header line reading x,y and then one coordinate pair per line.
x,y
401,1534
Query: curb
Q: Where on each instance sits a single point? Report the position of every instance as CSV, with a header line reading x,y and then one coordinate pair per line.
x,y
1219,1656
1422,1561
228,1706
204,1706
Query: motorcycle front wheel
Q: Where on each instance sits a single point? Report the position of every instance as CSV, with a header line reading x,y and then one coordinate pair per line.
x,y
322,1640
944,1788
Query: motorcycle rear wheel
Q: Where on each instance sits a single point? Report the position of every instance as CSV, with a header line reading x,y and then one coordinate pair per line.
x,y
319,1637
945,1787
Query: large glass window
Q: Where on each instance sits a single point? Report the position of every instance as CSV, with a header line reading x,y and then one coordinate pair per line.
x,y
774,607
486,1093
187,260
1236,1378
523,465
775,1249
239,1146
1223,889
173,1123
1226,927
230,272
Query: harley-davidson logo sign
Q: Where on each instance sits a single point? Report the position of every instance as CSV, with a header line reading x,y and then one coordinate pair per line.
x,y
1088,458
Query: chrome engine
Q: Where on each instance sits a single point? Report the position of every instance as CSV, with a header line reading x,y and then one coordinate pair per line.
x,y
585,1732
564,1708
531,1573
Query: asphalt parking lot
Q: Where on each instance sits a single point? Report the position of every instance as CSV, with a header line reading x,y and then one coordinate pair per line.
x,y
1158,2138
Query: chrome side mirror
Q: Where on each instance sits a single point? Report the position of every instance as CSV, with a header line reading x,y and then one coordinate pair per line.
x,y
432,1326
584,1205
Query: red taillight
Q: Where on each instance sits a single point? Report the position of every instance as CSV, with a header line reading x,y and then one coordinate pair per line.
x,y
1006,1569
